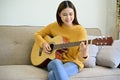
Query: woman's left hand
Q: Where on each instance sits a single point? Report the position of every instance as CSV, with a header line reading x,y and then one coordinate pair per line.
x,y
84,49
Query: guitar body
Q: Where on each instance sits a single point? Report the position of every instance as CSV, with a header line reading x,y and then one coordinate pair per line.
x,y
39,57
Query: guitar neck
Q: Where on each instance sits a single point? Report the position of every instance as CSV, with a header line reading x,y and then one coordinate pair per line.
x,y
97,42
71,44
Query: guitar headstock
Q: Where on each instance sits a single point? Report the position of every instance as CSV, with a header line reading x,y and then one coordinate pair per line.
x,y
102,41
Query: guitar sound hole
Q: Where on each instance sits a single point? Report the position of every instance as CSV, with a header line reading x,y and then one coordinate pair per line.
x,y
51,45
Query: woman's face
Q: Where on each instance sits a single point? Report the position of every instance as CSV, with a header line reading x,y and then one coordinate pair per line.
x,y
67,16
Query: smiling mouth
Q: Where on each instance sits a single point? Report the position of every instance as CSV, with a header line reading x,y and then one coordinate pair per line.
x,y
68,21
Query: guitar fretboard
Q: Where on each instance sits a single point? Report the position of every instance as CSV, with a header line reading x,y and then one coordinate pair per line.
x,y
71,44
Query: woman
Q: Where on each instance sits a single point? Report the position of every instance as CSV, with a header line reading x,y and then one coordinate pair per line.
x,y
68,27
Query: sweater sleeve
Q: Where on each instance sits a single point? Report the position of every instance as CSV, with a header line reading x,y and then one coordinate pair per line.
x,y
39,39
40,34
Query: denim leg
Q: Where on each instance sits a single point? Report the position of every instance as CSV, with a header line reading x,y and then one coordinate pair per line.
x,y
51,75
71,68
58,70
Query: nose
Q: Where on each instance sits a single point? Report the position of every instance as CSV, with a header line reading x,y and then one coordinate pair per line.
x,y
68,17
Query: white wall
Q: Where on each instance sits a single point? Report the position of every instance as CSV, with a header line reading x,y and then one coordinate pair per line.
x,y
91,13
111,17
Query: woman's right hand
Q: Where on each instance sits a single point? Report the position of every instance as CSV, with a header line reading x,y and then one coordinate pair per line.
x,y
46,47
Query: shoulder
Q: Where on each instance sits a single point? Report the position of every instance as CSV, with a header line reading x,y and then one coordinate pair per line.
x,y
80,27
81,30
52,24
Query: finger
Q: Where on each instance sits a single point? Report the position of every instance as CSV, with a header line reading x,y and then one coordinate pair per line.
x,y
48,48
86,42
82,43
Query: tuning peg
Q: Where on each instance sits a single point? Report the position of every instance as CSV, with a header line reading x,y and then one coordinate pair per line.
x,y
101,43
105,42
97,43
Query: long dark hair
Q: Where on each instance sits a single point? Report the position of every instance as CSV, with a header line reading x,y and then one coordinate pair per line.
x,y
62,6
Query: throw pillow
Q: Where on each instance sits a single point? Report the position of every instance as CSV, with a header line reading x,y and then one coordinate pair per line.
x,y
109,56
91,62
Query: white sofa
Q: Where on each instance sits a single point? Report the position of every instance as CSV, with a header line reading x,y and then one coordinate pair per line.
x,y
15,48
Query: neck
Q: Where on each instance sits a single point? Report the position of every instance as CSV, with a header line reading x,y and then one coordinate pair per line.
x,y
70,25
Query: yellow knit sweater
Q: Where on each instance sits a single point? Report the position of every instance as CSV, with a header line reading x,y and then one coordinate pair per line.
x,y
72,34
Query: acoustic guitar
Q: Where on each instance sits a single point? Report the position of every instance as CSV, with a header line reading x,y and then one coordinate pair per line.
x,y
41,59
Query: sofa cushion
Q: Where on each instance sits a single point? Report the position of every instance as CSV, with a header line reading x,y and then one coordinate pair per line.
x,y
22,72
29,72
98,73
109,55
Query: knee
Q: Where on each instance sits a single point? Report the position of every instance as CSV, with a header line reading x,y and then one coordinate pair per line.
x,y
56,62
53,63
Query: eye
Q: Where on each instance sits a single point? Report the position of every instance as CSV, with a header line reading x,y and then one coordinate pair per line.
x,y
64,14
70,14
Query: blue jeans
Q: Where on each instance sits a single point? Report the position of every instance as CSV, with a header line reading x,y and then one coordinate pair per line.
x,y
59,71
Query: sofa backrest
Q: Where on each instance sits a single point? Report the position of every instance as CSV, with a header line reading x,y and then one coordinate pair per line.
x,y
16,43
